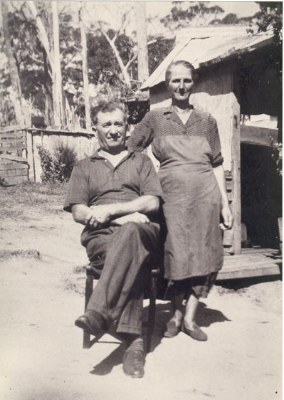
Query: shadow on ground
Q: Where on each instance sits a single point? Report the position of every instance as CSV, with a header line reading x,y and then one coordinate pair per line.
x,y
206,317
106,365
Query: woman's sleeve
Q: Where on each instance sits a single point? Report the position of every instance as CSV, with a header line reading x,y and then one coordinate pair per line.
x,y
142,135
214,141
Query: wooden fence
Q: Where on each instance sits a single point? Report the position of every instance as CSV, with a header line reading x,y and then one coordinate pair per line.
x,y
14,166
19,155
84,144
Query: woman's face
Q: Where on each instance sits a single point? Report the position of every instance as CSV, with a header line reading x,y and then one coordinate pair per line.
x,y
180,83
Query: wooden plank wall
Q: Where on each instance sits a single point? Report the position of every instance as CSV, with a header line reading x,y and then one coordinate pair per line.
x,y
84,145
13,155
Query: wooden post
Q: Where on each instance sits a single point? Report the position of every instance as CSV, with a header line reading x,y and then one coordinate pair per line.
x,y
236,173
85,70
141,27
30,156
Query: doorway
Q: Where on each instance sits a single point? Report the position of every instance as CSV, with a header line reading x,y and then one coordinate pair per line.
x,y
261,196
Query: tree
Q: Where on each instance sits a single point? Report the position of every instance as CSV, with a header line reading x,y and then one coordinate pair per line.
x,y
158,49
141,28
110,68
190,14
14,76
85,70
111,37
52,52
270,17
230,19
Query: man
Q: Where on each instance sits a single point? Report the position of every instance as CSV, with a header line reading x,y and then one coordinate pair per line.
x,y
115,194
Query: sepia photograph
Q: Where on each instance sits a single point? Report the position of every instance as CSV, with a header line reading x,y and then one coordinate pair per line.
x,y
141,200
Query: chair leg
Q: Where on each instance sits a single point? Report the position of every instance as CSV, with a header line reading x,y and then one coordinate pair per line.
x,y
88,293
152,312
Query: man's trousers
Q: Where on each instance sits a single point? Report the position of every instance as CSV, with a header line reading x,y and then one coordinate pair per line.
x,y
122,255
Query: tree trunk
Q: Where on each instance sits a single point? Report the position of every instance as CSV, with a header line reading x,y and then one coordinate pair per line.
x,y
85,70
14,74
47,91
141,28
42,35
123,68
58,109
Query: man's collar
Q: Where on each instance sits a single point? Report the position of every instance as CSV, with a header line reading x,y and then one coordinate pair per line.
x,y
97,156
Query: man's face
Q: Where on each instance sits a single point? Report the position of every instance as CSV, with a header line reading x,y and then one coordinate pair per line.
x,y
181,83
111,129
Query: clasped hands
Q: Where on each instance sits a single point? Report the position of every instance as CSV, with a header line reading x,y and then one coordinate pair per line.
x,y
102,215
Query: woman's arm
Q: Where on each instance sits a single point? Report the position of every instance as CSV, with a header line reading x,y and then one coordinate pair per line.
x,y
142,135
225,211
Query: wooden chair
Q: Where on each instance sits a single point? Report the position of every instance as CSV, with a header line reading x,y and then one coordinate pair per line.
x,y
152,294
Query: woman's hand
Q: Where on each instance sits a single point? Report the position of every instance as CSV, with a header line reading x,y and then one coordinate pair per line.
x,y
227,216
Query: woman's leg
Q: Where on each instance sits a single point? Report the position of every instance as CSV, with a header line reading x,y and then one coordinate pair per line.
x,y
199,287
178,308
177,295
190,311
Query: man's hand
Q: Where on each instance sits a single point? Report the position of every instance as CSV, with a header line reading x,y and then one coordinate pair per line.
x,y
134,217
99,216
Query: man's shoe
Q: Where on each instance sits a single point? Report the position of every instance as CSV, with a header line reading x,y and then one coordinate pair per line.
x,y
92,322
133,363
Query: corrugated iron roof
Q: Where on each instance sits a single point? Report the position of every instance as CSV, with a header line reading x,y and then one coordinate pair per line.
x,y
208,50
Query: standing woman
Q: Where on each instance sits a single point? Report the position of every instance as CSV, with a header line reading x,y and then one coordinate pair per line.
x,y
186,142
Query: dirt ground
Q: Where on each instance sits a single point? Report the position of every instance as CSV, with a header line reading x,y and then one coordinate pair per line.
x,y
41,295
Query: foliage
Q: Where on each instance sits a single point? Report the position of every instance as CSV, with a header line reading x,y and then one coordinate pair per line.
x,y
158,49
230,19
191,14
103,66
270,17
57,167
28,54
277,156
136,111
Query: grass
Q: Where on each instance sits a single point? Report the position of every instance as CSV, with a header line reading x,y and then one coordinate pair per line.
x,y
7,254
15,200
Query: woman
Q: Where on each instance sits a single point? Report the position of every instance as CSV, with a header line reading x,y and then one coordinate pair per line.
x,y
186,142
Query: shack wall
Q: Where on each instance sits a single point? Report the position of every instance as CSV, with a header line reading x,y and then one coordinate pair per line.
x,y
84,145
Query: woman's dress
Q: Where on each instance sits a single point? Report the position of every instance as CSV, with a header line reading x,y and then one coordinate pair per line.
x,y
187,154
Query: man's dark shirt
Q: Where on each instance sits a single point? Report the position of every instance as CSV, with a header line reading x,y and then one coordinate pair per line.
x,y
94,181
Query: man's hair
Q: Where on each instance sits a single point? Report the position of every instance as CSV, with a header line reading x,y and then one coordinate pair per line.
x,y
185,64
105,107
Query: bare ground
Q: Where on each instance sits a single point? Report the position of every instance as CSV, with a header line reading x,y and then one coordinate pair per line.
x,y
42,286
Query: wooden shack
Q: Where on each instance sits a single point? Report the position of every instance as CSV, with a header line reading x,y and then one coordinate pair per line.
x,y
237,79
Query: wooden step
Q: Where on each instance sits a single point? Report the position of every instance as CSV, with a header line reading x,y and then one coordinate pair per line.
x,y
251,263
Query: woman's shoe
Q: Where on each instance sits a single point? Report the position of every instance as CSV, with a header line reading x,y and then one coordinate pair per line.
x,y
195,333
172,329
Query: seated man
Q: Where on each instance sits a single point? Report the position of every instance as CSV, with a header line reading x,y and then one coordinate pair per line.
x,y
115,194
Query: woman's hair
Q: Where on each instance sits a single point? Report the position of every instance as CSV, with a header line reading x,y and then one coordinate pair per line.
x,y
185,64
105,107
